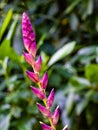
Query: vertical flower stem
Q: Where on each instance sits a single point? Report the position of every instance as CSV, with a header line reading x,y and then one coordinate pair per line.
x,y
45,103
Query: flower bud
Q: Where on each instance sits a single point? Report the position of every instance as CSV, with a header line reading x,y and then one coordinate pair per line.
x,y
33,76
56,115
44,81
50,98
44,110
29,58
45,127
39,93
28,35
38,64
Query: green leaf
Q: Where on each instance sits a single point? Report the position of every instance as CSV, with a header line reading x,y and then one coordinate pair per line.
x,y
91,72
79,83
72,6
70,103
5,122
81,106
41,40
61,53
7,51
6,22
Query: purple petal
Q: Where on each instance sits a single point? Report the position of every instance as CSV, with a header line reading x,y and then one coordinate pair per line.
x,y
39,93
29,58
45,127
66,127
33,76
44,110
55,116
38,64
44,81
50,98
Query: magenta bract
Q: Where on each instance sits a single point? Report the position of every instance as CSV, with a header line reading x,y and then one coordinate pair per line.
x,y
38,64
33,48
44,110
50,98
44,81
45,127
33,76
56,115
29,58
39,93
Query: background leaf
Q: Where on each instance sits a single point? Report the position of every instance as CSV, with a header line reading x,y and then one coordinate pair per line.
x,y
62,52
6,23
5,122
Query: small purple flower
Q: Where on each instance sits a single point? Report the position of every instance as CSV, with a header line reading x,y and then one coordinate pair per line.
x,y
29,58
39,93
44,81
50,98
33,76
45,127
55,116
44,110
38,64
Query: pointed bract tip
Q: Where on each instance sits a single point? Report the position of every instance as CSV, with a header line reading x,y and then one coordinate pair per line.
x,y
56,115
45,127
66,127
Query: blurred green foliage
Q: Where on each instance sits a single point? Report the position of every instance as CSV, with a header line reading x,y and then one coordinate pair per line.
x,y
67,38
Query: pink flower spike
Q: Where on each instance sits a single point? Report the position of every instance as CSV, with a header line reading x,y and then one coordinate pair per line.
x,y
29,58
66,127
28,34
56,115
39,93
33,76
50,98
38,64
45,127
44,110
44,81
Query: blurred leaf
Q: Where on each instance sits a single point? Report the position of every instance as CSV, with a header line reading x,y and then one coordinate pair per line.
x,y
72,6
62,52
73,22
5,122
41,40
6,23
81,106
79,83
70,103
88,8
7,51
91,72
12,29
